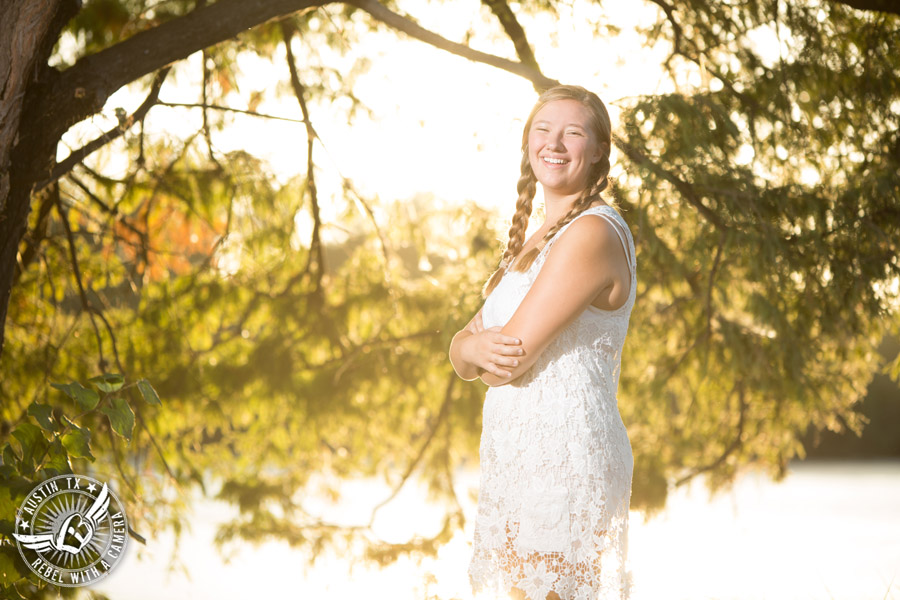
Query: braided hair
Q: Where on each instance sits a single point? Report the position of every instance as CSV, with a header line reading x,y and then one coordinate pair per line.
x,y
527,185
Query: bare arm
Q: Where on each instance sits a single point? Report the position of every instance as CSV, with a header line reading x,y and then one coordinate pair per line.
x,y
586,260
476,350
464,369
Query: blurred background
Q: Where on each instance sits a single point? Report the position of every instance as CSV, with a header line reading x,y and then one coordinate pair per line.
x,y
237,239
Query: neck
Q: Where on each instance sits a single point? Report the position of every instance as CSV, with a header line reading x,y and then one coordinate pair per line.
x,y
558,205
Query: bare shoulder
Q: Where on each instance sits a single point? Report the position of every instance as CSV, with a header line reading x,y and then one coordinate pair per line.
x,y
588,237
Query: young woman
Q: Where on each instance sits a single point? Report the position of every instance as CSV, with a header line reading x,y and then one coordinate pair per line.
x,y
556,461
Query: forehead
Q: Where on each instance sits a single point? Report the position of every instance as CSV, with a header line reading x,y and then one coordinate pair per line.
x,y
566,111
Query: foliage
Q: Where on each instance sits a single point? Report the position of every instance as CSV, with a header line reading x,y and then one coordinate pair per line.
x,y
49,439
267,380
766,203
880,410
762,190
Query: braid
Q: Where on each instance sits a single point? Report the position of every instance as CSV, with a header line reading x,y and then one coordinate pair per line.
x,y
585,200
597,182
527,186
599,175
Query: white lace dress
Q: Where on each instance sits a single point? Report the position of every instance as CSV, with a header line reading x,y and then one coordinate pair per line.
x,y
556,461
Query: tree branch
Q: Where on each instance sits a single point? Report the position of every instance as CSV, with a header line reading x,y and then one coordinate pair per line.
x,y
686,189
413,29
83,89
888,6
676,28
712,281
439,419
227,109
733,447
205,113
315,245
64,218
515,32
79,155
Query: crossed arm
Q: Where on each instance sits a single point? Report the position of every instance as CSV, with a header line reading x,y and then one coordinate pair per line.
x,y
585,261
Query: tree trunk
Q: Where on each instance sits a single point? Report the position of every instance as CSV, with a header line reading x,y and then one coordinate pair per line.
x,y
28,32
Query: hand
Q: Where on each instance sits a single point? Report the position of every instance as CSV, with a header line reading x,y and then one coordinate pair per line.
x,y
489,350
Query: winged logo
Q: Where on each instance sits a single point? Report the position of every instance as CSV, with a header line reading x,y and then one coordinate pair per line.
x,y
76,527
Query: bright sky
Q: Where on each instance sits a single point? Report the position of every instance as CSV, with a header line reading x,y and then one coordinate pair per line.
x,y
444,125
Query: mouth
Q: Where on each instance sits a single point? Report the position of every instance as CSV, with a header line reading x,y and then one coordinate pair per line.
x,y
554,161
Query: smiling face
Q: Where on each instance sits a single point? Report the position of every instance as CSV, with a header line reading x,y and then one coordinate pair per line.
x,y
562,147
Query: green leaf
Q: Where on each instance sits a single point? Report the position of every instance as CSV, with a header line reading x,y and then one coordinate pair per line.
x,y
7,506
9,455
86,399
58,458
108,382
42,414
893,369
120,416
147,391
33,444
9,571
78,442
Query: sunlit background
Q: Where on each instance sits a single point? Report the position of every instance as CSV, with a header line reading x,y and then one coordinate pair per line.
x,y
829,530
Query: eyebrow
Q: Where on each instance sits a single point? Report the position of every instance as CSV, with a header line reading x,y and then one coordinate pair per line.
x,y
545,122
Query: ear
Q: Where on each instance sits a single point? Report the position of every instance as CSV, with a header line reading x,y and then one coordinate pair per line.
x,y
600,152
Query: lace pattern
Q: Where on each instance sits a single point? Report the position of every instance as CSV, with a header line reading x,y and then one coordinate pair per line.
x,y
556,461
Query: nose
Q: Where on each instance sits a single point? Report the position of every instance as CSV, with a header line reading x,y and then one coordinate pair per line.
x,y
555,142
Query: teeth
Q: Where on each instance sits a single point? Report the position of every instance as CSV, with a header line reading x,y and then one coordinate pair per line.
x,y
555,161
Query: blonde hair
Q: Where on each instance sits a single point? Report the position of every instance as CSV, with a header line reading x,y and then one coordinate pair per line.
x,y
527,185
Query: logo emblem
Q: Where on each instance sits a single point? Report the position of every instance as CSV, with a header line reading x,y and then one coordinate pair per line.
x,y
71,530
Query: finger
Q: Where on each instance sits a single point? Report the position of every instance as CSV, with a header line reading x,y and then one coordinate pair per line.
x,y
508,340
507,350
500,372
496,368
506,361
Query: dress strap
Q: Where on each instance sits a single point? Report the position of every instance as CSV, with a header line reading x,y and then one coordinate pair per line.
x,y
629,254
603,211
599,211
